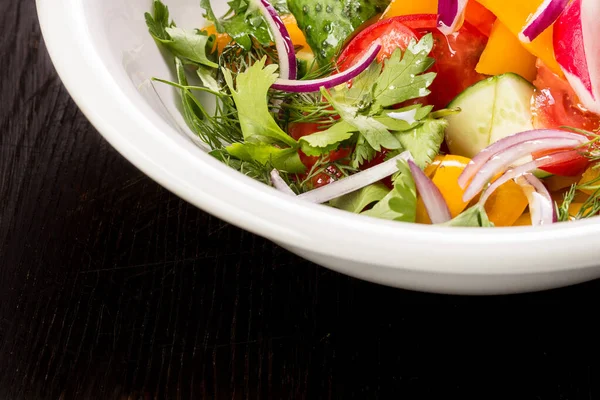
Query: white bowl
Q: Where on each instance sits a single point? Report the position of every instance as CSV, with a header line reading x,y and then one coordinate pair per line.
x,y
105,56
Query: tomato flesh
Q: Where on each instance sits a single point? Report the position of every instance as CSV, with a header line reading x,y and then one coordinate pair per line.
x,y
555,106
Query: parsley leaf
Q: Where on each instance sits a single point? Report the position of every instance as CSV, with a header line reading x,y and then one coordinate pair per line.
x,y
400,204
424,141
474,216
286,160
241,23
401,79
251,101
323,142
188,45
357,201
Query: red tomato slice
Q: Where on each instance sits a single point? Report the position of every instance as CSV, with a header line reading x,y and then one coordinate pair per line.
x,y
573,167
555,105
455,56
480,17
392,34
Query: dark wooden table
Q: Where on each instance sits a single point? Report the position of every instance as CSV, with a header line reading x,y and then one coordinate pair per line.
x,y
113,288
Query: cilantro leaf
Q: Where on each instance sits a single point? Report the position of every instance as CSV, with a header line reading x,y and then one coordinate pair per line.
x,y
475,216
325,141
363,152
286,160
374,132
405,118
402,77
190,46
424,141
241,23
251,100
159,21
357,201
400,204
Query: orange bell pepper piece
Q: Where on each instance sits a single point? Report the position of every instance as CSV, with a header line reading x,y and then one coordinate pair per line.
x,y
514,14
505,53
523,220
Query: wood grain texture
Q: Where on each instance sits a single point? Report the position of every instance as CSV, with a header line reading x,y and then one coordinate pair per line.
x,y
113,288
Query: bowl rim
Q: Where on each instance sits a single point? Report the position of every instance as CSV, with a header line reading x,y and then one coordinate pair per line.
x,y
210,185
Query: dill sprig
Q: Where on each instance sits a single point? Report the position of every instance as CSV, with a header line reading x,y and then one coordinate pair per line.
x,y
589,208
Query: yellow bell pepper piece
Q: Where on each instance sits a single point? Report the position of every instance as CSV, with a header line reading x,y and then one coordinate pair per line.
x,y
514,14
505,53
591,176
407,7
506,204
445,171
523,220
289,21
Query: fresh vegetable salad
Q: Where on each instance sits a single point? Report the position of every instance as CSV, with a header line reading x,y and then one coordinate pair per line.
x,y
479,113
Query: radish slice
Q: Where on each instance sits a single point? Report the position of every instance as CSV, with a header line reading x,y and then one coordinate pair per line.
x,y
504,159
288,67
355,182
522,169
546,14
576,33
434,202
484,155
280,184
314,85
541,205
451,15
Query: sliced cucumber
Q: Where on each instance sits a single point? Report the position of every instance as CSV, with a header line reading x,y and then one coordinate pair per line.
x,y
490,110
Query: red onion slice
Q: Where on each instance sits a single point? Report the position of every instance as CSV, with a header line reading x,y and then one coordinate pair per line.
x,y
537,134
576,34
355,182
522,169
451,14
314,85
546,14
504,159
434,202
541,205
280,184
288,68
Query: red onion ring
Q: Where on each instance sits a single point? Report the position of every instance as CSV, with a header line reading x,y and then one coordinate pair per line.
x,y
451,14
541,205
546,14
280,184
522,169
314,85
288,67
537,134
354,182
434,202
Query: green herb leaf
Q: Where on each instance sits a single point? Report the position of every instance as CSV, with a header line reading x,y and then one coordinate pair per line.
x,y
251,100
159,21
400,204
363,152
405,118
474,216
401,78
424,141
323,142
190,46
241,23
374,132
286,160
357,201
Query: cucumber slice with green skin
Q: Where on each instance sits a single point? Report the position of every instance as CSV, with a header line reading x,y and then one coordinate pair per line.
x,y
490,110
